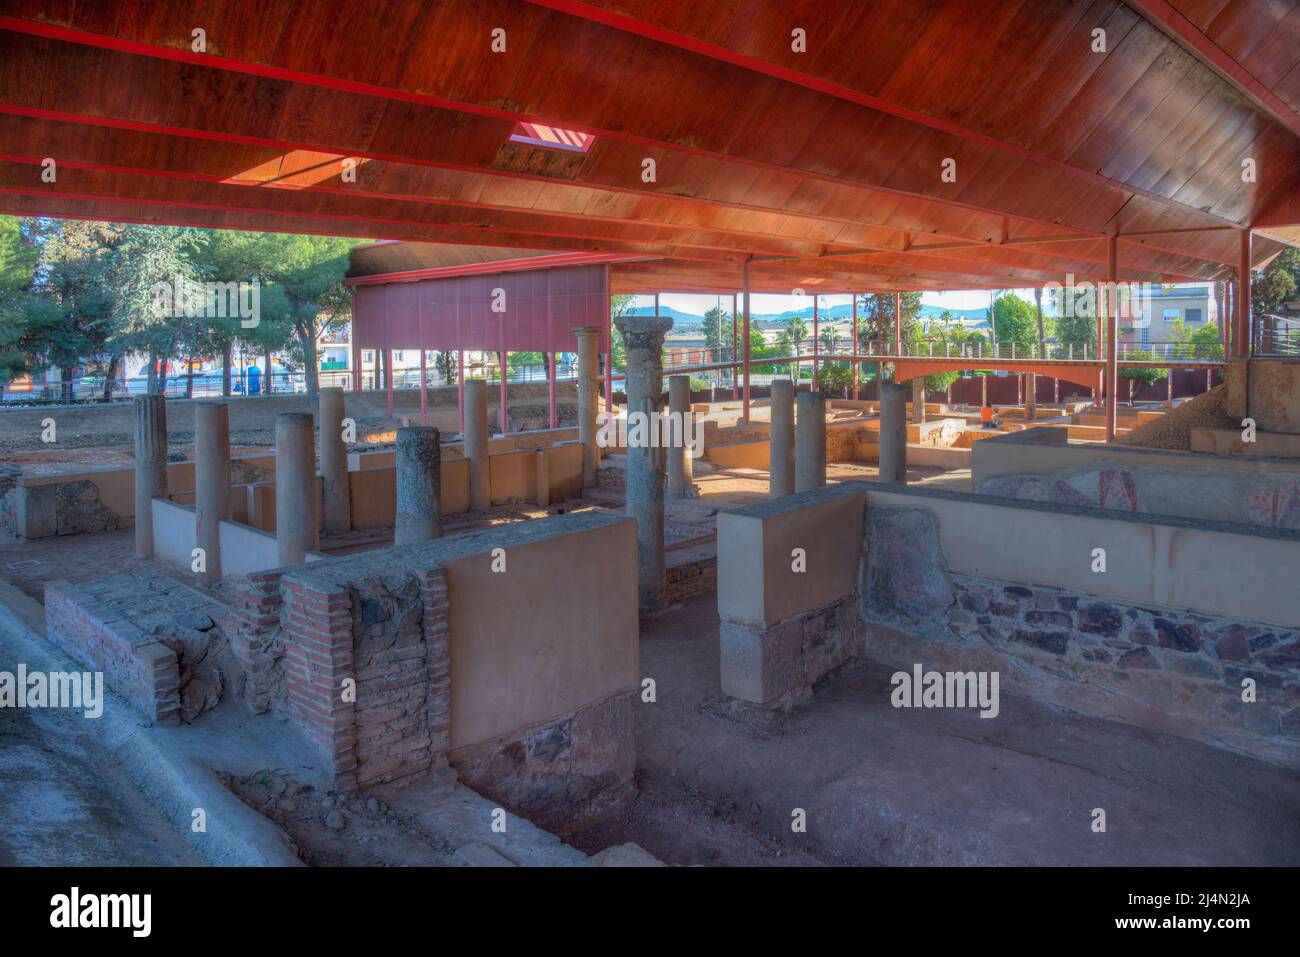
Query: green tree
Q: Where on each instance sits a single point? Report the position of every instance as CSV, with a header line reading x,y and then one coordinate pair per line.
x,y
1015,320
1273,287
1144,374
835,378
718,324
19,257
619,306
147,264
71,320
308,271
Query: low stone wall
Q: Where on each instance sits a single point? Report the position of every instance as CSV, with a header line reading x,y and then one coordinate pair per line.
x,y
1186,627
97,500
1268,499
160,644
1165,668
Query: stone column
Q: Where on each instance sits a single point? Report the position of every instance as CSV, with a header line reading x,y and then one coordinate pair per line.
x,y
150,467
334,463
475,438
918,399
643,336
1031,396
419,485
810,442
211,481
680,469
588,392
781,439
296,528
893,433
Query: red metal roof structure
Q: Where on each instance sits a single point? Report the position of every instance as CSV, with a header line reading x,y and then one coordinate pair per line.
x,y
898,146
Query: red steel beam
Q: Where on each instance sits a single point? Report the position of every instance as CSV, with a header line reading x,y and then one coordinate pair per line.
x,y
324,81
159,129
1243,304
1112,336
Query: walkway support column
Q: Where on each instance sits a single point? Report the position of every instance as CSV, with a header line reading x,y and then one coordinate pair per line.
x,y
295,488
643,337
898,325
211,481
475,438
810,442
552,390
503,397
781,439
893,433
855,347
745,346
588,390
334,464
735,341
918,399
1031,396
1243,300
419,485
1112,336
680,469
150,467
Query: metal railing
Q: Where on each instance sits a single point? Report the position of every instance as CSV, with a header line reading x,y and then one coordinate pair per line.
x,y
1276,336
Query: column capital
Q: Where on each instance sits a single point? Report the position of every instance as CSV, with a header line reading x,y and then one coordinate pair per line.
x,y
643,332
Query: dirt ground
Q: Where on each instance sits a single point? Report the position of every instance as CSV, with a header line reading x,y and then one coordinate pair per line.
x,y
65,801
718,783
330,830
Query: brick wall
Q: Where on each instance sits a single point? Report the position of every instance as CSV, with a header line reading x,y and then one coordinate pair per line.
x,y
318,658
135,664
366,675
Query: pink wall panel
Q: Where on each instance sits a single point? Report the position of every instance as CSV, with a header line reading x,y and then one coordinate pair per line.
x,y
368,319
542,309
401,310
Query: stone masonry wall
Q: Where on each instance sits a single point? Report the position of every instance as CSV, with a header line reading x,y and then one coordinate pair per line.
x,y
569,769
1169,670
160,644
257,639
688,579
366,676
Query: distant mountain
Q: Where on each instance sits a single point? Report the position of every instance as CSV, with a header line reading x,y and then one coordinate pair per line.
x,y
964,315
680,319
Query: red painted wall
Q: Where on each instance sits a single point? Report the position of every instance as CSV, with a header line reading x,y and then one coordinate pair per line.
x,y
542,307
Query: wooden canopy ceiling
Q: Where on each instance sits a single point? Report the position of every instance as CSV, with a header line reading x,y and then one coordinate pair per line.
x,y
822,168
